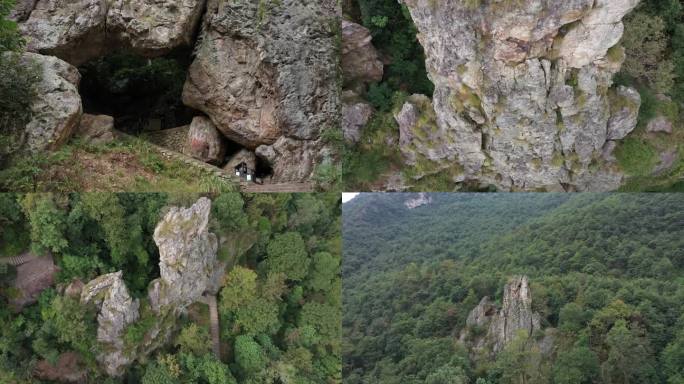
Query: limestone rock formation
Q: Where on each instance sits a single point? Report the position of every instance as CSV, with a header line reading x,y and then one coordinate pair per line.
x,y
96,129
418,201
187,253
502,325
266,74
360,60
116,310
205,142
57,107
81,30
355,116
524,89
188,268
660,124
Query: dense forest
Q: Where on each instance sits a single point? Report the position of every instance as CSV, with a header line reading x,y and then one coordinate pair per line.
x,y
279,305
606,273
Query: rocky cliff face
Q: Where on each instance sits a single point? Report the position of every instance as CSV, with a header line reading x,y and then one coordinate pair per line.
x,y
418,201
116,310
502,324
188,268
265,72
77,31
523,91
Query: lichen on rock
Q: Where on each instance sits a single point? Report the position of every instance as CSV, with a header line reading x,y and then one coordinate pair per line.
x,y
523,89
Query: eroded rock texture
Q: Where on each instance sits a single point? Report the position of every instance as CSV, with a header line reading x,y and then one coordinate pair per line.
x,y
116,310
187,252
80,30
188,268
57,108
523,89
360,60
266,74
503,324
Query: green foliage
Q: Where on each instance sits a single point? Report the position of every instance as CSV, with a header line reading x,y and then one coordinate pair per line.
x,y
249,356
240,288
48,223
72,323
228,211
287,254
194,339
411,277
636,156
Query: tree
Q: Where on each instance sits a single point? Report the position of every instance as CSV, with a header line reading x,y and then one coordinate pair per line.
x,y
194,339
520,362
47,222
287,254
240,288
629,359
324,268
249,356
227,211
572,318
645,42
673,360
447,375
579,365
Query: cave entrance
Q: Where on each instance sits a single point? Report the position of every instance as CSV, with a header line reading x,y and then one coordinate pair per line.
x,y
142,94
263,170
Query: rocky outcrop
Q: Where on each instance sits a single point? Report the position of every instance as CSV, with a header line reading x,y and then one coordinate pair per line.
x,y
57,108
266,74
659,124
96,129
33,277
502,324
187,253
188,268
418,201
81,30
205,142
360,60
355,116
116,310
69,368
523,89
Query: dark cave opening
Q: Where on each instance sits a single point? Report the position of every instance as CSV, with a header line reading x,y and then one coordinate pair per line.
x,y
142,94
263,169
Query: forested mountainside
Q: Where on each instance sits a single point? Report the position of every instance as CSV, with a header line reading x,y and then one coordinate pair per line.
x,y
157,288
514,95
220,82
513,288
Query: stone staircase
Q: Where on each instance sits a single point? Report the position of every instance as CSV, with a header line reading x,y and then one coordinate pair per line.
x,y
16,261
210,300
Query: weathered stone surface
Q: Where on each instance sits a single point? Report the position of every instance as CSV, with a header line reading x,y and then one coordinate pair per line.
x,y
116,310
667,160
515,315
187,253
660,124
421,140
96,129
205,142
77,31
355,116
22,10
243,156
502,325
530,109
360,60
74,289
268,72
33,277
57,108
418,201
291,159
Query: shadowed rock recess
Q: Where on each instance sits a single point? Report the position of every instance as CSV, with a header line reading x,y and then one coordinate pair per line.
x,y
264,73
523,94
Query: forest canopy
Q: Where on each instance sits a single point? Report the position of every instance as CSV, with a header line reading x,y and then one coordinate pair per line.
x,y
279,306
606,274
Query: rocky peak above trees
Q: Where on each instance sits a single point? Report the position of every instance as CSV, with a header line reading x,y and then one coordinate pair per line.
x,y
188,268
490,329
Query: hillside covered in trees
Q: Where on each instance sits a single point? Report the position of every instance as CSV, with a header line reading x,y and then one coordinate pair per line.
x,y
427,277
157,288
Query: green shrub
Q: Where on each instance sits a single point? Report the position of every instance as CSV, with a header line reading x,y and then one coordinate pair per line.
x,y
636,156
